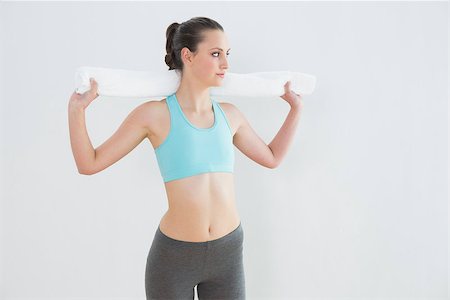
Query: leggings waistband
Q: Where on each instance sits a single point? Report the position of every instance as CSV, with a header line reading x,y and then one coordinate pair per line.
x,y
233,235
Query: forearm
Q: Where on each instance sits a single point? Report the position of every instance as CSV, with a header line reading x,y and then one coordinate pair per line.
x,y
83,151
281,142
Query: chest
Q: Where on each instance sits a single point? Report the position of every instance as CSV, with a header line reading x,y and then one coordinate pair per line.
x,y
160,129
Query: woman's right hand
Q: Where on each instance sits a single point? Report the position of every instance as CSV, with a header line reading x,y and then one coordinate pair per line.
x,y
83,100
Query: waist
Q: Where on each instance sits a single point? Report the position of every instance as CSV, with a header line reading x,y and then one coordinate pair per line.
x,y
200,222
231,239
203,208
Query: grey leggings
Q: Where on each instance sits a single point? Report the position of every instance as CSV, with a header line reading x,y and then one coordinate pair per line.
x,y
175,267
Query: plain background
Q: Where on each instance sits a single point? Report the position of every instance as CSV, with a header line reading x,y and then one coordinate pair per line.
x,y
358,207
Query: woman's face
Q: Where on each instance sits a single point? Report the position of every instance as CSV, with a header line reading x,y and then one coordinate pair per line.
x,y
211,58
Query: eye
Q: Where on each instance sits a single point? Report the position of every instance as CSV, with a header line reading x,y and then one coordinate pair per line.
x,y
219,53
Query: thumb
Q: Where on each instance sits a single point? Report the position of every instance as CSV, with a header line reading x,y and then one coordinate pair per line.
x,y
287,86
94,87
94,84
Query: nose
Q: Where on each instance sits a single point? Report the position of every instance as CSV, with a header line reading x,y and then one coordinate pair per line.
x,y
224,64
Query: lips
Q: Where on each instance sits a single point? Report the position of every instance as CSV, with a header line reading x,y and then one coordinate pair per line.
x,y
221,75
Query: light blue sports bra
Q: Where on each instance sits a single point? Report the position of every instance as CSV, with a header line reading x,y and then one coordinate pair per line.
x,y
189,150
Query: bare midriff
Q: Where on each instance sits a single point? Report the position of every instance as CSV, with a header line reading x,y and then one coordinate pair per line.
x,y
201,207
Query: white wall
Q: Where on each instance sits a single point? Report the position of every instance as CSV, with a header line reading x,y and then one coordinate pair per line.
x,y
358,208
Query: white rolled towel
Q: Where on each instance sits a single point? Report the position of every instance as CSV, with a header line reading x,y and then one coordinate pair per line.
x,y
131,83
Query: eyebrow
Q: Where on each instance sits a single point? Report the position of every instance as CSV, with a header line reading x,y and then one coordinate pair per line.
x,y
219,49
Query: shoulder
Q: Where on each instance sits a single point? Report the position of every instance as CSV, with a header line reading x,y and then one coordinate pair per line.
x,y
232,113
149,114
231,110
149,108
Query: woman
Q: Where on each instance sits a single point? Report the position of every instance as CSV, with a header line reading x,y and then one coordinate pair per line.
x,y
199,240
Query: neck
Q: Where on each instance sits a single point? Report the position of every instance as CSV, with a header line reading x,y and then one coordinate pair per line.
x,y
194,96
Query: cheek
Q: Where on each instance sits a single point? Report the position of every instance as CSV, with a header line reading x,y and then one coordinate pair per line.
x,y
206,67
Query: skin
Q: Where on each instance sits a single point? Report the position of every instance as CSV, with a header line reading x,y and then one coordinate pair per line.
x,y
201,207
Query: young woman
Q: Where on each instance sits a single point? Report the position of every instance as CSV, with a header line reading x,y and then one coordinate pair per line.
x,y
199,240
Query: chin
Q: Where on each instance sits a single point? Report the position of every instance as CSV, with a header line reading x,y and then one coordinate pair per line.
x,y
217,83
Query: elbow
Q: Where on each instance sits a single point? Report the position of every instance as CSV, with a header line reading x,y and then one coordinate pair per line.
x,y
86,168
85,171
274,165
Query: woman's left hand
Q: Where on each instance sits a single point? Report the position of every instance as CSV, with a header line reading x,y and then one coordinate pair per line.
x,y
294,99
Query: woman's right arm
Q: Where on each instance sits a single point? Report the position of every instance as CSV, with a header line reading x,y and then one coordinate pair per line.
x,y
82,148
130,133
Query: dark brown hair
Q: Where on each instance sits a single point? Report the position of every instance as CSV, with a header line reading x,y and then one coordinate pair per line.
x,y
187,34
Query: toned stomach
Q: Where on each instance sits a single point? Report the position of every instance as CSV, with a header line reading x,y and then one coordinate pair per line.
x,y
201,207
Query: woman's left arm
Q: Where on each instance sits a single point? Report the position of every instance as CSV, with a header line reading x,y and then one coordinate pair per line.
x,y
282,140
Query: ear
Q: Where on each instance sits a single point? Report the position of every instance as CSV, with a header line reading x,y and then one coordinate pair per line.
x,y
186,55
